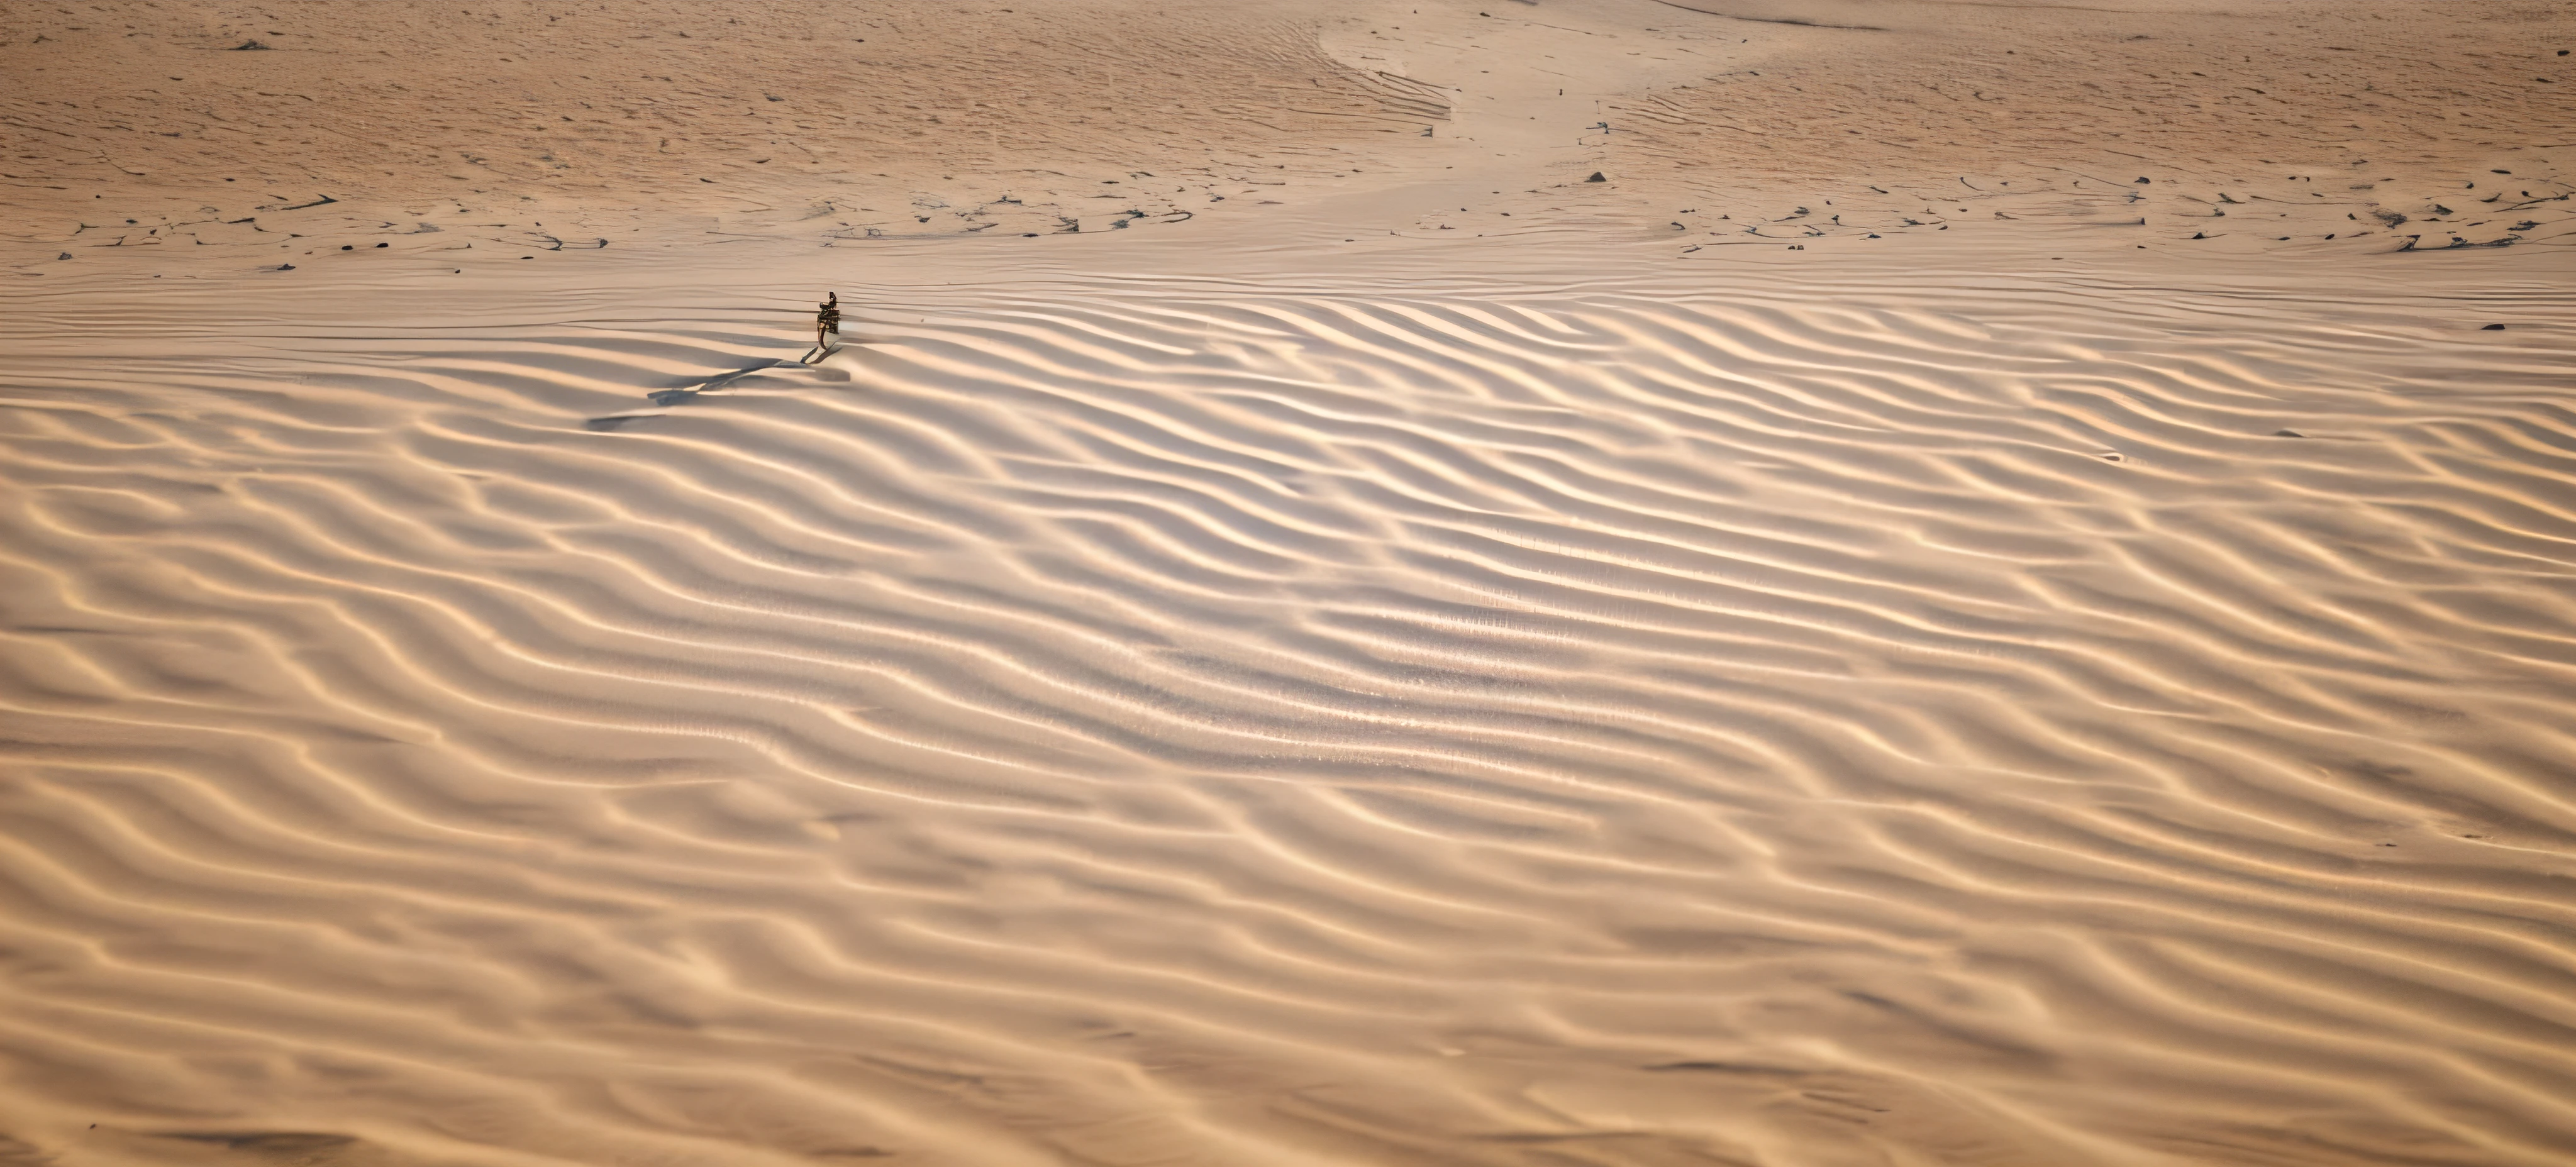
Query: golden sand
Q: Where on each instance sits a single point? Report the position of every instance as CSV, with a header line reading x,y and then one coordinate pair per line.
x,y
1989,595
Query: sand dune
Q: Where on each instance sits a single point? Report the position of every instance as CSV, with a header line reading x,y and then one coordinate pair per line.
x,y
146,138
822,119
1268,690
2241,127
1294,727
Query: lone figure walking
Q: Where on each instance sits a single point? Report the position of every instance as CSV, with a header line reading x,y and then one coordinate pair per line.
x,y
827,322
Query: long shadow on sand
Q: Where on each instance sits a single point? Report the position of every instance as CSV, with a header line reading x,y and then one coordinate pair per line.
x,y
685,394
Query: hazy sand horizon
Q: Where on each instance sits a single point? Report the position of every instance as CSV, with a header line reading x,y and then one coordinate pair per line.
x,y
1294,628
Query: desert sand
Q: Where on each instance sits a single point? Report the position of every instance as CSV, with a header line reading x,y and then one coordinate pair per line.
x,y
1999,589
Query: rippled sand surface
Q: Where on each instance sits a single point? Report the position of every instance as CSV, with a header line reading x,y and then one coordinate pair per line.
x,y
1795,722
1255,695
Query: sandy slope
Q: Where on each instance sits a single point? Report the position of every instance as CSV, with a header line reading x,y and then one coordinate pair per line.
x,y
1296,685
2271,127
911,117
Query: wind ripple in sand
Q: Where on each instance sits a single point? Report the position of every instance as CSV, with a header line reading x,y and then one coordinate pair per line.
x,y
1260,728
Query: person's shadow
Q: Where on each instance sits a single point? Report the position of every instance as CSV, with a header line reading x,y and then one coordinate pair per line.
x,y
711,384
686,394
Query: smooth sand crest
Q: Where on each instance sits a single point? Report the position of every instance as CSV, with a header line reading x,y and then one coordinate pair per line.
x,y
1554,690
